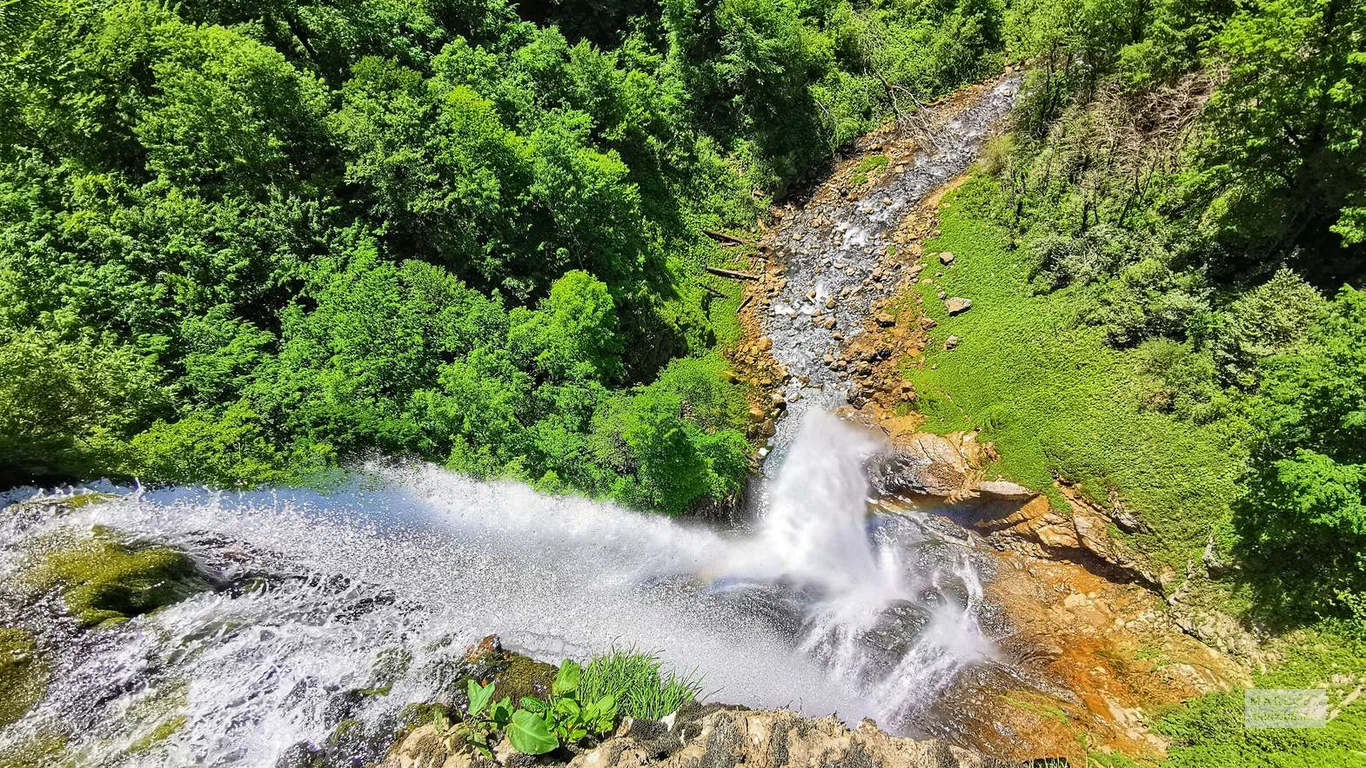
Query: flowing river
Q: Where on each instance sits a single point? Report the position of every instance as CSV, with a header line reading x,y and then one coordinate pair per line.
x,y
811,607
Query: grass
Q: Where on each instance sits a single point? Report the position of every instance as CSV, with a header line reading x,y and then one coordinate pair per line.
x,y
872,164
868,165
639,683
1208,732
1056,400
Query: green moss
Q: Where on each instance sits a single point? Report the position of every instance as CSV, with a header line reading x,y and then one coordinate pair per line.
x,y
43,751
524,677
345,729
1057,401
23,674
163,731
413,715
872,164
83,500
102,581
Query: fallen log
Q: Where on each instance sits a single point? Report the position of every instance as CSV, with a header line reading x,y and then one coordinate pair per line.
x,y
732,274
722,237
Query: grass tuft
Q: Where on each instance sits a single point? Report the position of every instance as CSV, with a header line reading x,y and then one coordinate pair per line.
x,y
642,688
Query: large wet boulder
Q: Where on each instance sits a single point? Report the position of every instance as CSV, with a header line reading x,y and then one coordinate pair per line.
x,y
922,464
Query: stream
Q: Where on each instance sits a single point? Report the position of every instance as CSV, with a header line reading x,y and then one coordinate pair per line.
x,y
813,605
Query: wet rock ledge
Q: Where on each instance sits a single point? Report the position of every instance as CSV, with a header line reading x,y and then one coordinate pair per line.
x,y
695,736
716,736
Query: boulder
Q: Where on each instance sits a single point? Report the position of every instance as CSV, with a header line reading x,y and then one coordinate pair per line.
x,y
924,464
951,342
1005,489
24,673
958,305
946,258
885,319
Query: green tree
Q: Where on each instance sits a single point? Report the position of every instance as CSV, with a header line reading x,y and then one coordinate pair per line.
x,y
68,406
573,334
1303,521
1283,163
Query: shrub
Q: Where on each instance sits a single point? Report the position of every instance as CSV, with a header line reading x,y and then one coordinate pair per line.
x,y
1272,318
1150,299
1303,521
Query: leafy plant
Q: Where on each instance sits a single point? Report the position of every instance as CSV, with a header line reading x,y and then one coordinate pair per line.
x,y
482,718
529,733
537,726
568,716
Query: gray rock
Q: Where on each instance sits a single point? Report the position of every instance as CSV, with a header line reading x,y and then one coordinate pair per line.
x,y
1004,489
925,465
958,305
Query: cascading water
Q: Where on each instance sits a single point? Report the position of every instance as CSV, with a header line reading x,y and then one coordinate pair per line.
x,y
816,607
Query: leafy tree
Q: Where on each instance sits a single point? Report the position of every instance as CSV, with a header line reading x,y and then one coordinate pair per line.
x,y
1304,519
68,406
573,335
243,240
674,462
1272,318
1283,159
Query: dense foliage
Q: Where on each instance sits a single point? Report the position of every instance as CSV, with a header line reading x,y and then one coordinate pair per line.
x,y
1196,173
1304,519
242,242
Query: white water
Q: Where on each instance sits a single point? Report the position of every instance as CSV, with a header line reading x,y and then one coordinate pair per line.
x,y
812,609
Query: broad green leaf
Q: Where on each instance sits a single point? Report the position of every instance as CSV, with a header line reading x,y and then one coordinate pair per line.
x,y
502,712
567,679
604,714
567,708
479,697
529,734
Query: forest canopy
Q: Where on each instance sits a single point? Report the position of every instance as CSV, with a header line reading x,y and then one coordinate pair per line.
x,y
243,242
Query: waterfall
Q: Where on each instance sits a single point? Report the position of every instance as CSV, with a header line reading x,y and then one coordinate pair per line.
x,y
815,605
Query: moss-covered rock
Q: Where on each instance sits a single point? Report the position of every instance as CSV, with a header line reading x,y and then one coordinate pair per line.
x,y
524,676
23,674
48,750
103,581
